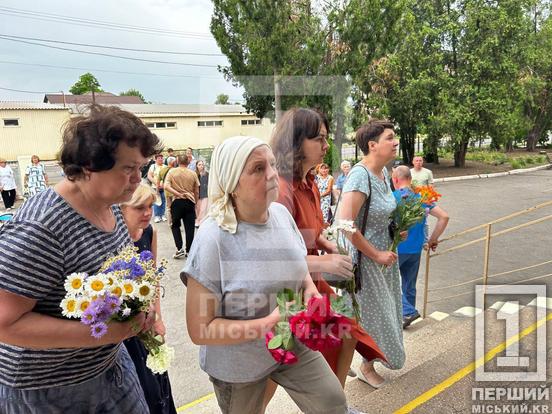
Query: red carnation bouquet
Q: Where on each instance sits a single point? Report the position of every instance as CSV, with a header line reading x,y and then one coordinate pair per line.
x,y
320,325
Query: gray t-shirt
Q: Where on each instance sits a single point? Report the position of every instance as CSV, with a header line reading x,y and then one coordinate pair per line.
x,y
245,271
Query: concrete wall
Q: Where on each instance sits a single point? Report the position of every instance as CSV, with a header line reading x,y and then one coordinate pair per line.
x,y
39,132
187,133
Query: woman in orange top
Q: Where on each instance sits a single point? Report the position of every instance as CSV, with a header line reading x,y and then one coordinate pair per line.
x,y
299,143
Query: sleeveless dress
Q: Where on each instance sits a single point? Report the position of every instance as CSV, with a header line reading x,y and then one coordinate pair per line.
x,y
380,297
157,388
325,201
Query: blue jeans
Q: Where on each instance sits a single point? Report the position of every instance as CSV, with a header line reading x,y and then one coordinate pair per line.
x,y
116,391
409,265
159,211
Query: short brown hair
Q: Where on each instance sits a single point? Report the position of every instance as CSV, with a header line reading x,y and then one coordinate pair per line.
x,y
90,141
296,125
371,131
183,160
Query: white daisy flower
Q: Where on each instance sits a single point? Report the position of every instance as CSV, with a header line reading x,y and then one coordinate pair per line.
x,y
130,288
75,283
145,291
69,307
83,302
96,284
116,289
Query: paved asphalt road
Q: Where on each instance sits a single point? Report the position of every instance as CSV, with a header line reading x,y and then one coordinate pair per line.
x,y
468,203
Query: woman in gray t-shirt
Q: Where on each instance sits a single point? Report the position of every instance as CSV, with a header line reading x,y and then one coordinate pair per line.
x,y
246,251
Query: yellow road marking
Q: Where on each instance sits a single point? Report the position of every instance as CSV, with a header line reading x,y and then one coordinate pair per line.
x,y
196,402
428,395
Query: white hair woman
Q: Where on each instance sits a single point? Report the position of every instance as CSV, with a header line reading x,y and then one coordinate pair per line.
x,y
247,250
137,213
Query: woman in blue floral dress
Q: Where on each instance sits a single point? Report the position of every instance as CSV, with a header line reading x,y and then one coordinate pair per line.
x,y
324,181
36,179
380,294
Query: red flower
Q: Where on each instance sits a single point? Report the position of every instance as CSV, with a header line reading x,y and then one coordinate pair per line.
x,y
280,355
319,309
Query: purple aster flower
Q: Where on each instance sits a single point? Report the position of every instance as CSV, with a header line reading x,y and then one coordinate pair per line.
x,y
112,304
146,256
117,265
98,330
90,315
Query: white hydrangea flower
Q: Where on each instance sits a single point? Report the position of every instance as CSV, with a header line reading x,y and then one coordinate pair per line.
x,y
160,361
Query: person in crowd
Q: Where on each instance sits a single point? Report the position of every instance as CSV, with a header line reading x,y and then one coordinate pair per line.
x,y
145,169
247,250
7,184
171,163
137,214
170,154
191,159
201,207
420,176
340,180
299,142
380,294
72,227
36,179
325,181
410,250
183,184
153,177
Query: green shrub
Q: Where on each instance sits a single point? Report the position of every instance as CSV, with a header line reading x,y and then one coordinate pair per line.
x,y
522,162
515,164
530,160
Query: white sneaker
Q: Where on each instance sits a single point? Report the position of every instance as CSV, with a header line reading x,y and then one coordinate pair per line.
x,y
156,219
179,253
164,218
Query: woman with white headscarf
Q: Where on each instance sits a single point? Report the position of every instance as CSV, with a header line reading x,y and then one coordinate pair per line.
x,y
244,253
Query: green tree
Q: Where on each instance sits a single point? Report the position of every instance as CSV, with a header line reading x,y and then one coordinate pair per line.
x,y
222,99
536,76
86,83
134,92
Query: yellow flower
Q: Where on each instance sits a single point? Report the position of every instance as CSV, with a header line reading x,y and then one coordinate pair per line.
x,y
69,307
116,289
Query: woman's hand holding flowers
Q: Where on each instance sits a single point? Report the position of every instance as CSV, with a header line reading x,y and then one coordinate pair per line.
x,y
339,264
386,258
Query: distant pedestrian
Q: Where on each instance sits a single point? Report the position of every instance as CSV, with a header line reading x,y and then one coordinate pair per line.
x,y
201,206
170,154
153,177
191,159
340,180
36,179
7,184
324,181
420,175
410,250
184,186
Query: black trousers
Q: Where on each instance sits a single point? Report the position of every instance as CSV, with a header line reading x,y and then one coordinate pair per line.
x,y
8,197
183,210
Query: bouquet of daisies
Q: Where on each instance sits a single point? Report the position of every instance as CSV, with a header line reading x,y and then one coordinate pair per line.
x,y
126,285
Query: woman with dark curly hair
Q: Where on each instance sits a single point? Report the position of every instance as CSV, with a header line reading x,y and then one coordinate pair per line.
x,y
49,363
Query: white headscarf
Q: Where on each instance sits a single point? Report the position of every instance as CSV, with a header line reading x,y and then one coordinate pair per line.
x,y
227,164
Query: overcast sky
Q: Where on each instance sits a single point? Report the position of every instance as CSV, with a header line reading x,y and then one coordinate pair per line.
x,y
182,84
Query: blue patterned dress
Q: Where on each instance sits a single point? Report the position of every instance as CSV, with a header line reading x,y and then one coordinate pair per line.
x,y
326,201
380,295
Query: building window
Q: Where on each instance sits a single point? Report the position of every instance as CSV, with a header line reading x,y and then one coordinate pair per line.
x,y
158,125
209,123
11,122
251,122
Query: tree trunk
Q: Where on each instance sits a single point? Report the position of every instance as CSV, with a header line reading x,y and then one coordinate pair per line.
x,y
408,143
431,146
533,137
460,153
339,134
277,97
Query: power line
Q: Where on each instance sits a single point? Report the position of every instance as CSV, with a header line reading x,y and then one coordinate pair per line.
x,y
108,55
109,47
19,90
106,70
103,24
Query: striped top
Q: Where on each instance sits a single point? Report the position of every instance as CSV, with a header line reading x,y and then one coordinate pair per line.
x,y
44,242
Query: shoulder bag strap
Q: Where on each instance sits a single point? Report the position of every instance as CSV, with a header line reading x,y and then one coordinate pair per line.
x,y
365,215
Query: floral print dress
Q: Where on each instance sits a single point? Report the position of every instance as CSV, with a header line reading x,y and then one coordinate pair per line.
x,y
326,201
380,294
36,181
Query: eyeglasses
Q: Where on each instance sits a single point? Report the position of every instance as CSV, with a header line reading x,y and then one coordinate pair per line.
x,y
321,139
